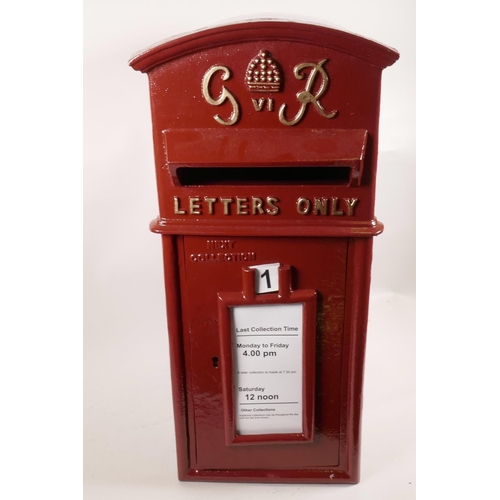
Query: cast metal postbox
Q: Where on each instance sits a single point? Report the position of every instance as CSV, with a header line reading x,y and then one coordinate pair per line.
x,y
265,140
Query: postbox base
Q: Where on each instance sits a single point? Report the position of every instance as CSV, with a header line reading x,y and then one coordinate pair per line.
x,y
304,476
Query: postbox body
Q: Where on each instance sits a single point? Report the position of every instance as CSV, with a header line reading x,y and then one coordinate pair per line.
x,y
265,137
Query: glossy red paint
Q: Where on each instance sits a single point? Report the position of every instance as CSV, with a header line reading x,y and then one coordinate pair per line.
x,y
278,165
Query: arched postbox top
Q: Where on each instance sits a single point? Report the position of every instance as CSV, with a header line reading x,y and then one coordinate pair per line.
x,y
263,30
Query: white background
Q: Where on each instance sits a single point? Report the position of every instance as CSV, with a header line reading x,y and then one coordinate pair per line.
x,y
129,447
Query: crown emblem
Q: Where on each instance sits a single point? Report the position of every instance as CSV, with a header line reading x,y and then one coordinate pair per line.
x,y
263,73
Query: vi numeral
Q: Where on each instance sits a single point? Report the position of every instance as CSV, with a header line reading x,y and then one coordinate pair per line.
x,y
264,103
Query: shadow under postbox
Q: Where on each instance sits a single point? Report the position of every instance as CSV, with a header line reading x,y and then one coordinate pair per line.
x,y
265,139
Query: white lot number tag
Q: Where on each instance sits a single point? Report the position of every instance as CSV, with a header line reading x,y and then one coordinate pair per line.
x,y
267,343
266,278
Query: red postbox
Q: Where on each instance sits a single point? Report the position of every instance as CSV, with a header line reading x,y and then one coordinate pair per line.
x,y
265,139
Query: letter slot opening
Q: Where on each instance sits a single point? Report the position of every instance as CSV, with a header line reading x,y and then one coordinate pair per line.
x,y
223,176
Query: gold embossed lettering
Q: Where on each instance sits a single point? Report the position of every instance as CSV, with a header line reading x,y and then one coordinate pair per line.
x,y
242,206
306,96
210,202
351,203
177,209
258,104
272,208
257,204
335,202
226,202
303,206
194,205
224,96
320,206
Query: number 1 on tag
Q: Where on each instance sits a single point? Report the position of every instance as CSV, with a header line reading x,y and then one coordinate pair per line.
x,y
266,278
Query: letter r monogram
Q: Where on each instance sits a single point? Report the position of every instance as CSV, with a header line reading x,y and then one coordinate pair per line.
x,y
306,96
